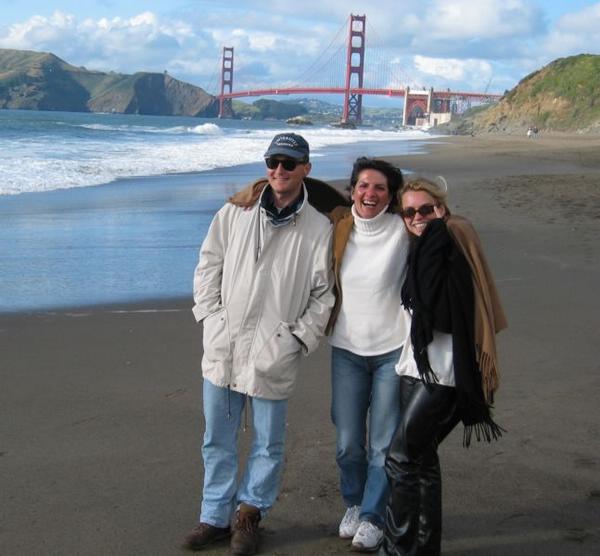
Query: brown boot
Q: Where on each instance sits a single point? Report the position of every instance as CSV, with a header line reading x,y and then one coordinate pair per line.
x,y
204,534
245,537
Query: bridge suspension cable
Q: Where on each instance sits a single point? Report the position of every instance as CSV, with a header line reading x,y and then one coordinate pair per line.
x,y
329,63
213,85
382,68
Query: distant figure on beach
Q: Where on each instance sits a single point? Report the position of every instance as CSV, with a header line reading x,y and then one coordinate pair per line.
x,y
263,291
529,132
448,366
367,330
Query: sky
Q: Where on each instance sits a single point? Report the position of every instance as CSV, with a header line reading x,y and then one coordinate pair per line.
x,y
463,45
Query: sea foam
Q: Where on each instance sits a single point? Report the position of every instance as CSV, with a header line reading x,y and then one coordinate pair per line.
x,y
78,152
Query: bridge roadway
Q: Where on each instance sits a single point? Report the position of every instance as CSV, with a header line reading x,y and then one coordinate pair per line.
x,y
355,91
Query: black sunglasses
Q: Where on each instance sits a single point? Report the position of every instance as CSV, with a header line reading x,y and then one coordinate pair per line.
x,y
288,164
423,210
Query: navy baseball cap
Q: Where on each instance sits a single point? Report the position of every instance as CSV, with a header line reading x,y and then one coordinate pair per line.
x,y
288,144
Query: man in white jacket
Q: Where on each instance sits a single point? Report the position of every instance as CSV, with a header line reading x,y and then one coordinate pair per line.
x,y
263,291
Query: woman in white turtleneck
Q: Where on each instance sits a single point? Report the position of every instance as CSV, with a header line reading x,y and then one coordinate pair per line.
x,y
367,330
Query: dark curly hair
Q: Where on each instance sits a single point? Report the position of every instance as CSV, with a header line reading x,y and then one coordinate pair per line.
x,y
391,172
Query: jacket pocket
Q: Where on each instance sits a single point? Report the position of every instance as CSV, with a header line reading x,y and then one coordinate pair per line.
x,y
215,339
279,351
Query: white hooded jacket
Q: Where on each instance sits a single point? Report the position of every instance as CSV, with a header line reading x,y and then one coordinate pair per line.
x,y
264,294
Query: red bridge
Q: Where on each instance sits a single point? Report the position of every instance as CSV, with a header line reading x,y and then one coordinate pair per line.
x,y
420,106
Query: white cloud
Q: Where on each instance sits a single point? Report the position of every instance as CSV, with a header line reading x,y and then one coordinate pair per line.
x,y
575,33
37,30
429,20
122,44
584,21
450,69
491,19
263,41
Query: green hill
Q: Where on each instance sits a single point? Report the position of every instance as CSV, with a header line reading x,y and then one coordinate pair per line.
x,y
41,81
562,96
266,109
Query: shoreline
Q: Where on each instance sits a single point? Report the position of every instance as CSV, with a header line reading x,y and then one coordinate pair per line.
x,y
541,157
156,304
101,407
94,242
501,158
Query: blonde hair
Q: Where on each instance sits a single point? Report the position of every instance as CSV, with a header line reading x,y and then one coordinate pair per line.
x,y
418,183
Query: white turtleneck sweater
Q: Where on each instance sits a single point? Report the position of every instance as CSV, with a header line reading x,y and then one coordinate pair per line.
x,y
371,320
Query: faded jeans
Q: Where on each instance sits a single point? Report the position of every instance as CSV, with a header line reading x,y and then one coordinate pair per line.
x,y
365,409
259,484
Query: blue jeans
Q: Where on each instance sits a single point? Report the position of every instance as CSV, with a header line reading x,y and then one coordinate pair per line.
x,y
259,484
365,397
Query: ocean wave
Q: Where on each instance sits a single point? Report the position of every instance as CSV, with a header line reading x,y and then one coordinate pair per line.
x,y
202,129
57,162
206,129
98,164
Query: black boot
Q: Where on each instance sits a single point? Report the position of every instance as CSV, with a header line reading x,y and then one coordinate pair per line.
x,y
413,516
430,511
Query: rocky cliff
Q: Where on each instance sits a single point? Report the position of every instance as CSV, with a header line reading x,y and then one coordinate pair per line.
x,y
42,81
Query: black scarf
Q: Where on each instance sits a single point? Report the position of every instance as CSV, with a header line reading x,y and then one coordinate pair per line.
x,y
279,216
438,291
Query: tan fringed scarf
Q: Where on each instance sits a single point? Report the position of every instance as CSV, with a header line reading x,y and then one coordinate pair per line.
x,y
489,314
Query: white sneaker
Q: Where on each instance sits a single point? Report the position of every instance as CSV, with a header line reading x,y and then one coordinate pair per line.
x,y
350,522
367,538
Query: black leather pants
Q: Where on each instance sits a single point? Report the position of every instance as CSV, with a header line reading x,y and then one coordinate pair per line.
x,y
414,514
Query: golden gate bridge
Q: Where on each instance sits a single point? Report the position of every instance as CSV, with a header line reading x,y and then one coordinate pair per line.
x,y
420,105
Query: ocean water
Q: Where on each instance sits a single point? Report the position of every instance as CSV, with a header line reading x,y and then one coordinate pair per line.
x,y
103,208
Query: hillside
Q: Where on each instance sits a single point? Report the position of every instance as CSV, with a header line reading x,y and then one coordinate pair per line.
x,y
42,81
562,96
266,109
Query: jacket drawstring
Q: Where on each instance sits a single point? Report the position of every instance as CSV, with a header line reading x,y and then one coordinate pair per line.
x,y
248,400
258,224
228,403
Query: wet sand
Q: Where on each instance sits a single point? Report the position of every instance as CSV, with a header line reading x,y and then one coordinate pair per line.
x,y
100,418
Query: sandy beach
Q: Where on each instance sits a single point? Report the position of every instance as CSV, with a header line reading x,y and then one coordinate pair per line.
x,y
101,423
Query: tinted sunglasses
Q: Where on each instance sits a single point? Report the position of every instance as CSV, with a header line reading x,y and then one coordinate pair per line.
x,y
423,210
288,164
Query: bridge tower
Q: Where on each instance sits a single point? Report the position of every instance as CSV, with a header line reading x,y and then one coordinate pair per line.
x,y
417,104
355,65
225,107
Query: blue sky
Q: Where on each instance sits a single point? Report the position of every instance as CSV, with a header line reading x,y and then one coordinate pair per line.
x,y
458,44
